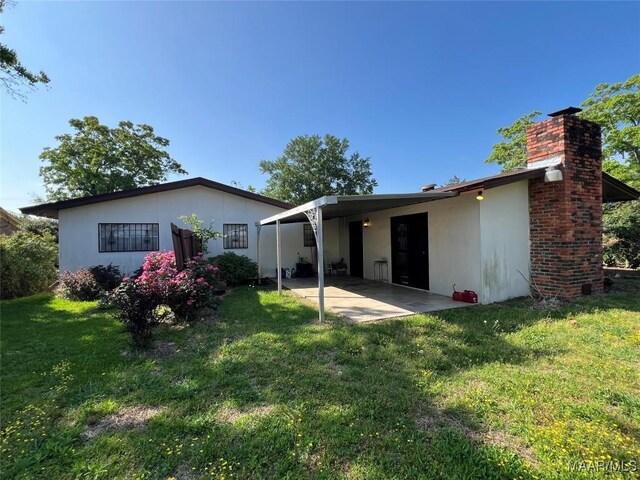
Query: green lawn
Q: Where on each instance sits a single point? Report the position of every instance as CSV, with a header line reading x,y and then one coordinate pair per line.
x,y
264,391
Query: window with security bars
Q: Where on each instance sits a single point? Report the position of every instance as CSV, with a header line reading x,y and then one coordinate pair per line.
x,y
128,237
309,236
235,235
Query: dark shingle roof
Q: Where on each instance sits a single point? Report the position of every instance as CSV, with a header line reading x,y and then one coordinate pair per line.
x,y
51,209
613,190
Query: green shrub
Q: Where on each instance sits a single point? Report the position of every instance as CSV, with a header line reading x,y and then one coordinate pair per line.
x,y
78,285
622,234
40,226
235,269
138,309
108,277
27,263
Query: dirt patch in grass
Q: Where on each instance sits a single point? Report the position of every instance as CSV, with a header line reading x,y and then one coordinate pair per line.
x,y
184,472
329,359
126,419
162,350
548,304
437,419
510,442
234,415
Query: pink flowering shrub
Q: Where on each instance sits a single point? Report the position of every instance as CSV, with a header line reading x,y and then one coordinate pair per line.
x,y
184,292
160,283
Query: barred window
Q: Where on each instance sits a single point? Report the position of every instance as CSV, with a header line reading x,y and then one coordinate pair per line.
x,y
235,235
128,237
309,236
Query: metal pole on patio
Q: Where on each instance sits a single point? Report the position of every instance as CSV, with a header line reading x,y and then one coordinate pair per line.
x,y
320,242
278,257
258,228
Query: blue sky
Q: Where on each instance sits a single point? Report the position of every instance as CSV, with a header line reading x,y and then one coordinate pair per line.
x,y
419,87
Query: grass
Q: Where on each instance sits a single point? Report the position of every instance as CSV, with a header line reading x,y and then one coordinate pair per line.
x,y
264,391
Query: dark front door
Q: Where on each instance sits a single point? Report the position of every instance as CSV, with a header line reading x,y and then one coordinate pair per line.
x,y
356,253
410,250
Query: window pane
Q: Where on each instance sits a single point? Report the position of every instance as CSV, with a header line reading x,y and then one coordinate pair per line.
x,y
128,237
309,236
235,235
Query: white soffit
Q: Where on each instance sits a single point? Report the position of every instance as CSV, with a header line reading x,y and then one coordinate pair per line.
x,y
351,205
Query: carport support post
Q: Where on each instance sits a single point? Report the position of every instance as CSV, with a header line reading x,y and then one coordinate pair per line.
x,y
258,228
320,242
278,257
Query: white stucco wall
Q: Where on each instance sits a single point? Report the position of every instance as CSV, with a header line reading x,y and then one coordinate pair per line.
x,y
454,242
504,242
476,245
79,227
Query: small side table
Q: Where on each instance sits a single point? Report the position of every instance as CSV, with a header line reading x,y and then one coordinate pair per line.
x,y
381,271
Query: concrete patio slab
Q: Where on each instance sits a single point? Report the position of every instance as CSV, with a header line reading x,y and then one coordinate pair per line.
x,y
362,300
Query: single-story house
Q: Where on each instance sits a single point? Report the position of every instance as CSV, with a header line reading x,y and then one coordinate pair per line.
x,y
540,225
122,227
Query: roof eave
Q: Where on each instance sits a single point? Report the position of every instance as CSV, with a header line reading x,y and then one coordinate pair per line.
x,y
51,210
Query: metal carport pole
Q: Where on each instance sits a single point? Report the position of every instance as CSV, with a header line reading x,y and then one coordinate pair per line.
x,y
320,243
278,257
258,228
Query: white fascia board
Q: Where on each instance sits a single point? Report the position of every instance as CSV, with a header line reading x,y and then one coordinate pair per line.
x,y
396,196
317,203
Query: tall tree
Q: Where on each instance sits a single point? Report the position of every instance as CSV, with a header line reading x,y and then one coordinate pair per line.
x,y
616,108
98,159
312,166
455,180
512,152
14,76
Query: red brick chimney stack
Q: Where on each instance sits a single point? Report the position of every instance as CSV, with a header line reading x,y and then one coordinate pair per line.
x,y
566,215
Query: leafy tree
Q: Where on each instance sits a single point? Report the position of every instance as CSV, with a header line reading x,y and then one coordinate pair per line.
x,y
312,166
40,226
622,235
98,159
623,172
14,76
512,152
248,188
616,108
203,234
455,180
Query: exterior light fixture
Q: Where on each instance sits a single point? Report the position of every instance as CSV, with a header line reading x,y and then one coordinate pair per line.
x,y
553,174
365,222
479,196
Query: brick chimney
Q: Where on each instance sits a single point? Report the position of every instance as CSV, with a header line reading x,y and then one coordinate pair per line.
x,y
565,211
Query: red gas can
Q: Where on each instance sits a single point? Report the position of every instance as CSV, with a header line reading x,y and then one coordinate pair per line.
x,y
468,296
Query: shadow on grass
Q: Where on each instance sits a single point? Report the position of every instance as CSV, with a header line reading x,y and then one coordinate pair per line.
x,y
345,396
267,392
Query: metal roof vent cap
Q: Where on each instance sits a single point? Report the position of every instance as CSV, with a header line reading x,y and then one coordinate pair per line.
x,y
565,111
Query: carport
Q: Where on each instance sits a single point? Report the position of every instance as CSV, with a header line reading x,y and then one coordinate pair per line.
x,y
328,207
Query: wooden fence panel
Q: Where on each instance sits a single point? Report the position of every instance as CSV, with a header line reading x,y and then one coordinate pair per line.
x,y
177,246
